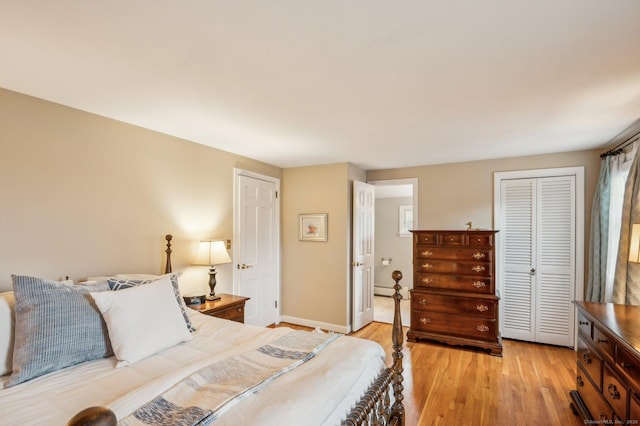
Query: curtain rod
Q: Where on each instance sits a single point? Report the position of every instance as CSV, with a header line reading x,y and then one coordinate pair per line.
x,y
622,145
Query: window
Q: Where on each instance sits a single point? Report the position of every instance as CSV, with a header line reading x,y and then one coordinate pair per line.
x,y
405,222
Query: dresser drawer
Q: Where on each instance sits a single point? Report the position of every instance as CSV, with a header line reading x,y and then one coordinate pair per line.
x,y
584,325
629,366
461,267
466,306
478,255
590,361
453,239
597,406
454,282
477,240
234,314
604,343
615,392
454,325
426,238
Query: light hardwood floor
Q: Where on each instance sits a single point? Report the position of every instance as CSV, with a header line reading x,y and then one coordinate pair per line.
x,y
528,385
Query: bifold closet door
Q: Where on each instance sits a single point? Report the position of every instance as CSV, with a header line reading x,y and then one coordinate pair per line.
x,y
539,259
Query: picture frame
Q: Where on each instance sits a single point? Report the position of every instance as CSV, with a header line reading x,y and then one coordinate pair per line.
x,y
312,227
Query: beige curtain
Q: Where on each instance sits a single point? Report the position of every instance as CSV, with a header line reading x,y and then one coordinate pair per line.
x,y
626,285
599,236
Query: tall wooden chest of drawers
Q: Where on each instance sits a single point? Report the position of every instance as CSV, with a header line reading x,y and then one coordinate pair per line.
x,y
608,367
454,298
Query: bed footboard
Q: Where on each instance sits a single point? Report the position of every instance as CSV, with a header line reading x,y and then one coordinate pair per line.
x,y
375,407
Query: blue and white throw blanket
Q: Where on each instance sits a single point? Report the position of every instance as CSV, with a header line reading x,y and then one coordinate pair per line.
x,y
202,397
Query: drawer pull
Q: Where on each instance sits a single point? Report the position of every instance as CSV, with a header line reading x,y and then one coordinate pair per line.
x,y
626,366
579,381
427,266
452,239
482,328
239,309
427,280
482,308
587,358
613,391
478,268
479,284
599,340
583,322
425,320
478,255
423,302
427,253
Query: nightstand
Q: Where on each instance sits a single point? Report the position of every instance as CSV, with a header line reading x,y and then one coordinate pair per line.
x,y
228,307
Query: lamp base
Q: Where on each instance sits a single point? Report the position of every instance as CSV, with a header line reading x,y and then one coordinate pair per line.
x,y
212,285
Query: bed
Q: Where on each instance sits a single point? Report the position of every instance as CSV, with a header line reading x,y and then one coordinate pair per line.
x,y
220,372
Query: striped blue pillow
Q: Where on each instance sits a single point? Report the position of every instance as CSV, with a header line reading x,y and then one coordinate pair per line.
x,y
57,325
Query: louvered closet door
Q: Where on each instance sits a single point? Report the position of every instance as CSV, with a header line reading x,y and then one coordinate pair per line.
x,y
539,259
555,277
518,228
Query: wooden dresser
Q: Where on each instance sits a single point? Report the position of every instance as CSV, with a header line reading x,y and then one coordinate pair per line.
x,y
454,298
608,370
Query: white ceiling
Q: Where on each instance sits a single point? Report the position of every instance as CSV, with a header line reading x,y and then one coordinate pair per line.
x,y
381,84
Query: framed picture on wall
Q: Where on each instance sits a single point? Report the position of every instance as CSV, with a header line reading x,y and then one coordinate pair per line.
x,y
312,227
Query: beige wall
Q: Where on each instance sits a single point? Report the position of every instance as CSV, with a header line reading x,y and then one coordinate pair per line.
x,y
450,195
316,275
85,195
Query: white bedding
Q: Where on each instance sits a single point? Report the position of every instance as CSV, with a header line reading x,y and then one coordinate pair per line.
x,y
319,392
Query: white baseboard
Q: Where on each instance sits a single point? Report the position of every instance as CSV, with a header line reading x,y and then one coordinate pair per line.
x,y
311,323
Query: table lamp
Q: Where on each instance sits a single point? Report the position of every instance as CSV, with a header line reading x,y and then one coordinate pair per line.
x,y
212,253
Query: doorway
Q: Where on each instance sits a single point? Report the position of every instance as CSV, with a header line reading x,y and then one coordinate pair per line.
x,y
396,215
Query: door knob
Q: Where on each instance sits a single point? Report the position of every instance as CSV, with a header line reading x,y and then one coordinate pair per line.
x,y
533,271
245,266
356,264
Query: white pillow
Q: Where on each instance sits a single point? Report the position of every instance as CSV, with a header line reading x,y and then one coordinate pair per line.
x,y
7,327
142,320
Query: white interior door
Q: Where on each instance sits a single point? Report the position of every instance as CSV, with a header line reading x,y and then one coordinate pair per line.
x,y
363,253
256,255
539,258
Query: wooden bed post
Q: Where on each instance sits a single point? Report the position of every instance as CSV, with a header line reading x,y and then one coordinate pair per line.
x,y
167,266
397,409
375,407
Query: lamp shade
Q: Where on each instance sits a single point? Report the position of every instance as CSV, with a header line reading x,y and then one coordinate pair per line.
x,y
634,245
212,253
